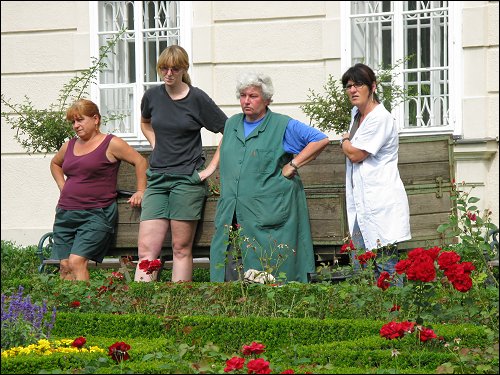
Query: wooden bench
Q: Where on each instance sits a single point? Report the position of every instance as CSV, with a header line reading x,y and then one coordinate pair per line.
x,y
116,258
426,168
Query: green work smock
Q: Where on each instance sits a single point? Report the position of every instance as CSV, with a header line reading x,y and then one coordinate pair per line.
x,y
270,208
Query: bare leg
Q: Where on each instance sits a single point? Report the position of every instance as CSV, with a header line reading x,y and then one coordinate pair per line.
x,y
182,247
78,266
151,236
65,270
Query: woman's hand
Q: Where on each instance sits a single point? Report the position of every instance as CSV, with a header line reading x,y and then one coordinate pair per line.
x,y
288,171
136,199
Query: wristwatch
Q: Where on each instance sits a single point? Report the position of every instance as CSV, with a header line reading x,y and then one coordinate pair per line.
x,y
292,164
343,139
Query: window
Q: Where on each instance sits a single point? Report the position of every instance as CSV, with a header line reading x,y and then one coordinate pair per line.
x,y
151,26
384,33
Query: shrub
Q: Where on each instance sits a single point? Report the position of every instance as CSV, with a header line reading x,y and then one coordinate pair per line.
x,y
19,266
24,322
332,110
46,130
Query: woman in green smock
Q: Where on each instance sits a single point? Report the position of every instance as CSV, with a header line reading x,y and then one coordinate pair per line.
x,y
261,190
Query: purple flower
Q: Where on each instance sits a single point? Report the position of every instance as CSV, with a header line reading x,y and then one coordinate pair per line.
x,y
23,320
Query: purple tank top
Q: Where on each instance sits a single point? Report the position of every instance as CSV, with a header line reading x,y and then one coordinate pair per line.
x,y
90,178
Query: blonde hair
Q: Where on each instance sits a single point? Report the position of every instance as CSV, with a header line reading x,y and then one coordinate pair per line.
x,y
175,56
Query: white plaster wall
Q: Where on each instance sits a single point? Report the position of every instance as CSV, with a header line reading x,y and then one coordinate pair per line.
x,y
297,45
43,44
477,163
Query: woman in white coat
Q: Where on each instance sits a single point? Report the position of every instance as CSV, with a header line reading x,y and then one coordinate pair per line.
x,y
377,204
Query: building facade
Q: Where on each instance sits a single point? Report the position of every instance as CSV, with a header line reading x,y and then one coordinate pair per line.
x,y
453,72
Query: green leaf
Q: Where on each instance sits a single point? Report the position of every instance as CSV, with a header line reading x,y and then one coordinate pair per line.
x,y
46,130
442,228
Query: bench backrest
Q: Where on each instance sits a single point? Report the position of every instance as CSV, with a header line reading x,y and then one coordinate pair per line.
x,y
426,168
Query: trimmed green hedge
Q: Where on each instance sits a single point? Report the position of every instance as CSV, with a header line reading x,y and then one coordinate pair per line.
x,y
234,332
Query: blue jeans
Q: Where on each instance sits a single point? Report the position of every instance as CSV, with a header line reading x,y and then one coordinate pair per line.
x,y
386,260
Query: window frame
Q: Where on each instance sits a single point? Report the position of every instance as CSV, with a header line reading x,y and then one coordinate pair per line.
x,y
135,137
455,57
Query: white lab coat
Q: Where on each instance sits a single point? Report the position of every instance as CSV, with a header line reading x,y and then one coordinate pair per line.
x,y
375,194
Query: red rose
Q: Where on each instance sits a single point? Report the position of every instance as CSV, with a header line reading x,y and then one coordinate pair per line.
x,y
347,247
258,366
447,259
395,308
79,342
150,266
235,363
427,334
119,351
382,282
253,348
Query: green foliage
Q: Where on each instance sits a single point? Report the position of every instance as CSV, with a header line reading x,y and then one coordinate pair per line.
x,y
18,264
317,328
24,322
108,325
271,258
331,111
232,332
46,130
472,229
203,344
62,363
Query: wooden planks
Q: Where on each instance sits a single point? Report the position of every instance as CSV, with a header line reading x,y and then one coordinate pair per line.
x,y
426,168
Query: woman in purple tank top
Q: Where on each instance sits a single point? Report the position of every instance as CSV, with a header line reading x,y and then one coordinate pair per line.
x,y
85,170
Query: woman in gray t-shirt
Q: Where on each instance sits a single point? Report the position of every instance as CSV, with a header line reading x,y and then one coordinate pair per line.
x,y
172,116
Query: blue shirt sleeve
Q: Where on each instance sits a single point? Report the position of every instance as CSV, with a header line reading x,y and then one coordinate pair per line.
x,y
298,135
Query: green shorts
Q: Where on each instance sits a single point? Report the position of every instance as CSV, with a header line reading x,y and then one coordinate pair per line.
x,y
174,197
87,233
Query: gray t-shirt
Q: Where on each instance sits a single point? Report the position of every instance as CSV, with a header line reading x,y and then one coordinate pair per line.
x,y
177,126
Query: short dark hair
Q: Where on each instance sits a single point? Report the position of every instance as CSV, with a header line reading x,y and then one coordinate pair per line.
x,y
361,73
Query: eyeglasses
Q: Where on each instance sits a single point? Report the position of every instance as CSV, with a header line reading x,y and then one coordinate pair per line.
x,y
357,85
174,70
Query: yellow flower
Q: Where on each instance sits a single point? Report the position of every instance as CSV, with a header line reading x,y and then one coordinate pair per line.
x,y
45,347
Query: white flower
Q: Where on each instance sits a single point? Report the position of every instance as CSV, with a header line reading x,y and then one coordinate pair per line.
x,y
395,353
261,277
